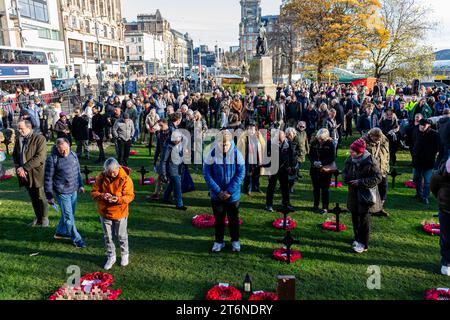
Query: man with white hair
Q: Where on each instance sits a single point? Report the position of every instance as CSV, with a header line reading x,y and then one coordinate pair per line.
x,y
171,169
440,186
62,182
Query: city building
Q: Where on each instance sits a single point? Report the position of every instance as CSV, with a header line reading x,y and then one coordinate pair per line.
x,y
145,52
178,46
249,27
93,33
208,58
35,26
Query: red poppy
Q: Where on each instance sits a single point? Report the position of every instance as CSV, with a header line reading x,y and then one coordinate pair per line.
x,y
438,294
204,221
263,296
220,292
410,184
333,184
281,255
432,228
133,153
290,224
90,282
147,181
6,177
331,226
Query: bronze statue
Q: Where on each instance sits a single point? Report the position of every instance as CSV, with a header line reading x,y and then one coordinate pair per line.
x,y
261,46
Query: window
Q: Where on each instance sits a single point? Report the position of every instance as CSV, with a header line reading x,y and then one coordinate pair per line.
x,y
8,56
105,30
114,54
106,51
76,47
87,26
34,9
121,54
90,49
74,22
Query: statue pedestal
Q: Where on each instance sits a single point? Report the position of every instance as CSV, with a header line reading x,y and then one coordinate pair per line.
x,y
261,76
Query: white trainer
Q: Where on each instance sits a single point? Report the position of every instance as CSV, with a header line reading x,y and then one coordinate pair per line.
x,y
359,248
124,261
109,263
236,246
445,270
355,243
217,247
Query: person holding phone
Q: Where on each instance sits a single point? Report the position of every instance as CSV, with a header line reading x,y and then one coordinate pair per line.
x,y
114,191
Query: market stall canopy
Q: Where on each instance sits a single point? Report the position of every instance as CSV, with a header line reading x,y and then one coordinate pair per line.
x,y
346,76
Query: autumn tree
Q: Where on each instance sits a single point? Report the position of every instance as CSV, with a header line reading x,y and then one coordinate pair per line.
x,y
415,63
405,24
331,30
284,43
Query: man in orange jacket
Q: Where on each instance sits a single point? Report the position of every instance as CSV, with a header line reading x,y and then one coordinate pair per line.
x,y
114,191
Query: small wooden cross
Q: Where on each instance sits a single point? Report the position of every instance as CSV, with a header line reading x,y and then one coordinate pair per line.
x,y
86,173
288,241
143,172
394,174
338,211
336,175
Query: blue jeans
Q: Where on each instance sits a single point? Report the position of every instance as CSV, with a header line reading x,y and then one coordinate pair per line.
x,y
175,186
161,115
66,226
422,179
137,131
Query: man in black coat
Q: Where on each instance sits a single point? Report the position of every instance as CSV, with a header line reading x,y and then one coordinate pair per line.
x,y
80,132
426,147
98,130
440,186
214,106
287,163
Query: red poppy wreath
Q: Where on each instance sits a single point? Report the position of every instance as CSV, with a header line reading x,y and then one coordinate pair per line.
x,y
290,224
223,292
281,255
432,228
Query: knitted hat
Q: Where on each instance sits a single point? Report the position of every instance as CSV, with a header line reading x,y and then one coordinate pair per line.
x,y
359,146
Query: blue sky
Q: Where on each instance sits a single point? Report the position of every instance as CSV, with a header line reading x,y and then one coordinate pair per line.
x,y
217,21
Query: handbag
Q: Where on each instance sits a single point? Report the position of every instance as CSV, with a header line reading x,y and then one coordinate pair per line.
x,y
187,183
367,196
330,168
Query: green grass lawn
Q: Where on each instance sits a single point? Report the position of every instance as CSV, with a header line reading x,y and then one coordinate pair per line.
x,y
169,259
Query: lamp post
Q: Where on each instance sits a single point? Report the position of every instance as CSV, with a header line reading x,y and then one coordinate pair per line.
x,y
200,65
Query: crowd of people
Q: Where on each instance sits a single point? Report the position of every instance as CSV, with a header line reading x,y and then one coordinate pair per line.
x,y
302,121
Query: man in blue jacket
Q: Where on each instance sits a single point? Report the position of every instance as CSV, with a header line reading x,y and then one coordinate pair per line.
x,y
224,172
63,181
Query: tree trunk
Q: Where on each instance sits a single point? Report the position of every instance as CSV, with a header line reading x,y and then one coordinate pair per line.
x,y
319,72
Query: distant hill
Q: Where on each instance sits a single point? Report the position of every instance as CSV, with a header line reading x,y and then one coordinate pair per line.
x,y
442,54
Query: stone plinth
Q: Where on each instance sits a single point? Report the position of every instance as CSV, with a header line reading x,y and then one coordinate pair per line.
x,y
261,76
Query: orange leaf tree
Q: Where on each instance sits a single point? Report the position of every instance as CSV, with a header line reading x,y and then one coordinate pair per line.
x,y
332,31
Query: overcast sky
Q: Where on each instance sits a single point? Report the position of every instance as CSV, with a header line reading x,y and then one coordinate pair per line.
x,y
217,21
